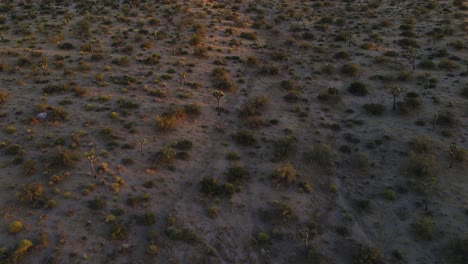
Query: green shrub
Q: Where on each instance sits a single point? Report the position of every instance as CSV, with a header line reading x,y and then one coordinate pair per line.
x,y
32,193
146,219
3,96
458,249
358,89
221,80
422,227
14,149
237,174
61,159
285,174
23,246
322,154
351,69
166,155
330,95
29,167
284,147
360,161
447,64
389,194
249,35
464,91
421,165
447,119
374,109
233,156
244,138
119,232
262,237
97,204
421,145
182,145
270,69
15,227
126,104
213,212
369,255
166,122
254,106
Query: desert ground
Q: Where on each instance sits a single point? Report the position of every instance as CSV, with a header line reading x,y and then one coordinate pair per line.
x,y
340,135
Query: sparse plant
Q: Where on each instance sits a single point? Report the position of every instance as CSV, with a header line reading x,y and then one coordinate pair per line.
x,y
285,174
395,91
456,154
218,95
90,156
322,154
423,227
15,226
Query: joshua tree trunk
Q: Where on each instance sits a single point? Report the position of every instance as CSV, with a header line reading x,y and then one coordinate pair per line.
x,y
219,110
394,103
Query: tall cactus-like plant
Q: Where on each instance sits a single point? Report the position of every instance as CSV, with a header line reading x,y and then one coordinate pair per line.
x,y
90,156
395,91
218,95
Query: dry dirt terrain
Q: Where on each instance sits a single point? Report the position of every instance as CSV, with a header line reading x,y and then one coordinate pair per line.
x,y
340,136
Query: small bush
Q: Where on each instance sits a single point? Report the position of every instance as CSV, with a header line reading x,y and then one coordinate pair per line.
x,y
389,194
464,92
421,165
166,155
32,193
119,232
15,227
284,147
330,95
360,161
244,138
422,227
248,35
350,69
421,145
221,80
448,65
322,154
447,119
374,109
183,145
285,174
369,255
146,219
97,204
3,97
270,69
458,248
237,174
62,159
358,89
166,123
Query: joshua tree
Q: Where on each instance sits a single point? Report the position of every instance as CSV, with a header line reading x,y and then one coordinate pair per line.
x,y
427,78
456,153
218,95
305,237
43,65
428,185
90,156
434,120
411,54
395,91
182,77
142,142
